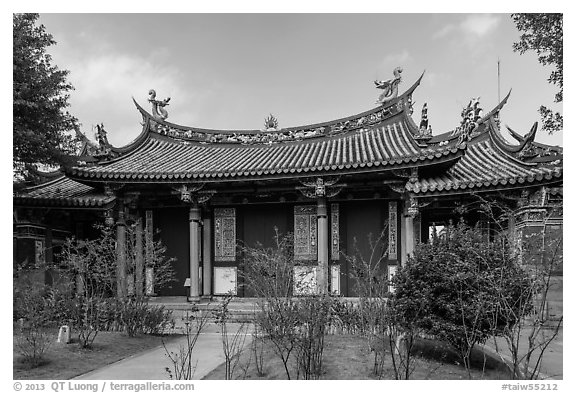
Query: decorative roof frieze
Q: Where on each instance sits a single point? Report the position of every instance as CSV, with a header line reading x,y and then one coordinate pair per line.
x,y
272,134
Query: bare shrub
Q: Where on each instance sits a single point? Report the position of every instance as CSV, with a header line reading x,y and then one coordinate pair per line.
x,y
183,366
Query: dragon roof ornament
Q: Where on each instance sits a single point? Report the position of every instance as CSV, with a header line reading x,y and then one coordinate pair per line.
x,y
389,87
158,110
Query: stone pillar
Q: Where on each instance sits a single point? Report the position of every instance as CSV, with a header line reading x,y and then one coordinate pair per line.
x,y
121,256
322,246
139,258
194,219
207,258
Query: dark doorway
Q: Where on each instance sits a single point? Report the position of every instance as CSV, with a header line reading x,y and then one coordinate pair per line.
x,y
174,233
363,219
259,228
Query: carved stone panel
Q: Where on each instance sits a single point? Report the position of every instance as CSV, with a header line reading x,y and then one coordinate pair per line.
x,y
225,234
305,280
391,273
392,230
305,233
335,282
225,279
40,256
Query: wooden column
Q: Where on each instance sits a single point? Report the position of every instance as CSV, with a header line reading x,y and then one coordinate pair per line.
x,y
322,246
207,258
409,240
194,219
121,289
149,244
139,258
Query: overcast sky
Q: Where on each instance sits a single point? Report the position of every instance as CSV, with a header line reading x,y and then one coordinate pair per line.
x,y
229,71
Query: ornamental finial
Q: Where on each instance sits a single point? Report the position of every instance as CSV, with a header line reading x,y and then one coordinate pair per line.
x,y
389,87
471,116
271,123
158,110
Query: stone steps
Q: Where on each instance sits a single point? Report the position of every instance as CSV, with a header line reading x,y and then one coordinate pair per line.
x,y
240,309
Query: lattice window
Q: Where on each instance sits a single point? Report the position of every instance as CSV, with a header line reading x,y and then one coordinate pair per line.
x,y
225,234
305,233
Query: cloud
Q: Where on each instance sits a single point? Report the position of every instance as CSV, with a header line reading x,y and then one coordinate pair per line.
x,y
444,31
473,27
396,58
391,61
105,84
480,25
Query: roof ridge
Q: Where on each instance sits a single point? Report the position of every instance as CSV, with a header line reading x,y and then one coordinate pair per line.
x,y
327,128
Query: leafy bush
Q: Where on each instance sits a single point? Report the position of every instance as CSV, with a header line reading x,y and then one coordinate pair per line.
x,y
454,286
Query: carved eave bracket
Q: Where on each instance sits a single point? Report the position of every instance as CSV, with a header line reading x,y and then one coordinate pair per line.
x,y
321,187
411,174
113,189
397,186
414,206
194,193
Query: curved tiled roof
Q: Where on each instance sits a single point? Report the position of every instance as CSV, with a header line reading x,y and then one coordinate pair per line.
x,y
164,159
62,191
484,166
377,140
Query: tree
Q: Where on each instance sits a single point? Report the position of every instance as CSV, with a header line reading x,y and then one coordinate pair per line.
x,y
543,33
455,286
42,132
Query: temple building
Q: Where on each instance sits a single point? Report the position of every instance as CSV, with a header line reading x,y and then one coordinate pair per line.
x,y
330,184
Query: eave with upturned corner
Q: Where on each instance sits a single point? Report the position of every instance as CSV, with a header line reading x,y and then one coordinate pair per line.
x,y
473,157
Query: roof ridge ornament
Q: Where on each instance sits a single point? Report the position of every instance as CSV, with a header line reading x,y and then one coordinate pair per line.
x,y
471,116
158,110
425,130
527,149
271,123
389,87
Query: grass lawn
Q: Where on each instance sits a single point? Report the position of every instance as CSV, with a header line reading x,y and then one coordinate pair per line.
x,y
347,357
65,361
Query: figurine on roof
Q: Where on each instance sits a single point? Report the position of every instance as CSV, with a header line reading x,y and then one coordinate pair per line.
x,y
471,116
389,87
424,118
158,110
101,137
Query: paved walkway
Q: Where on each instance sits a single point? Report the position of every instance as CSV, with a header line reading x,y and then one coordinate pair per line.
x,y
552,361
151,364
